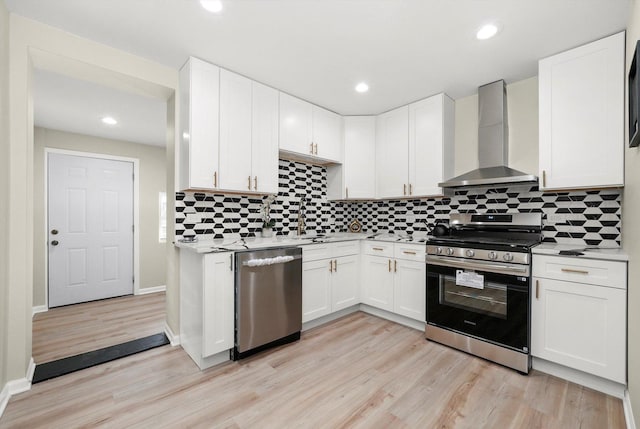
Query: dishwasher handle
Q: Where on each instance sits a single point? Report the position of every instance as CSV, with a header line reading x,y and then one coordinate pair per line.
x,y
261,262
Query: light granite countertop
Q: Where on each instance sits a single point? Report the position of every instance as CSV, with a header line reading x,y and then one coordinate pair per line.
x,y
588,252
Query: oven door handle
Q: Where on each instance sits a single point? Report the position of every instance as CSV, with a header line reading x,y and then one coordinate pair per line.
x,y
478,265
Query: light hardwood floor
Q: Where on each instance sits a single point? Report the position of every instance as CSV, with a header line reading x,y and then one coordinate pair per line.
x,y
74,329
359,371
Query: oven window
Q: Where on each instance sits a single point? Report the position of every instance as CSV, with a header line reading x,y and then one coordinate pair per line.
x,y
492,300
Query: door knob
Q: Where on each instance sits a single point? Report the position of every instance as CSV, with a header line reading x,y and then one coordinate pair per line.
x,y
54,243
54,231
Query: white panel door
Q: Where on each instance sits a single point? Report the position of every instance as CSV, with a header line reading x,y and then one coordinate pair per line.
x,y
360,156
295,124
316,289
90,228
582,116
377,282
410,285
392,153
235,132
344,282
327,134
264,159
217,306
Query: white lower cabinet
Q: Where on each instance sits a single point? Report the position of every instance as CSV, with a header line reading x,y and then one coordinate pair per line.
x,y
395,283
329,278
578,315
206,304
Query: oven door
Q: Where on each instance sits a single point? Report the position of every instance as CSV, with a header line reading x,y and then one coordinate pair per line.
x,y
485,300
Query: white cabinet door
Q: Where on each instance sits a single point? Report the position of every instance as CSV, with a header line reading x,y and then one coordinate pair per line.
x,y
360,156
580,326
218,304
235,132
344,282
392,153
264,142
327,134
582,116
316,289
377,282
199,125
295,124
410,289
431,130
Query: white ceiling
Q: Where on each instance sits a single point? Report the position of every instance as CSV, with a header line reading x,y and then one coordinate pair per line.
x,y
319,49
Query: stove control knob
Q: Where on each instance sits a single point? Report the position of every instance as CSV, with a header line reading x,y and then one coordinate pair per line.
x,y
449,251
470,253
508,257
439,250
493,255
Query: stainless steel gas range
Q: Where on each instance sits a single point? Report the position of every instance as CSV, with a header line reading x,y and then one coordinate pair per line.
x,y
478,286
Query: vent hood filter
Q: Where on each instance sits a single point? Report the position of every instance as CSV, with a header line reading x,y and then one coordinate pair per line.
x,y
493,144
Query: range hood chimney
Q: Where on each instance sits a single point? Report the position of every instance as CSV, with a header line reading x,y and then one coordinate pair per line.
x,y
493,144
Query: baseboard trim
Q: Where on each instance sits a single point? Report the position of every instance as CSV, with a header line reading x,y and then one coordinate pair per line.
x,y
31,369
628,411
328,318
38,309
402,320
148,290
174,339
4,398
14,387
582,378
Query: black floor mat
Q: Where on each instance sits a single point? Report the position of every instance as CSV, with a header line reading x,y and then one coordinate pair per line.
x,y
70,364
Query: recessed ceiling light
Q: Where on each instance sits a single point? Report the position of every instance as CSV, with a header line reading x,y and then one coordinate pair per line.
x,y
109,120
362,87
213,6
487,31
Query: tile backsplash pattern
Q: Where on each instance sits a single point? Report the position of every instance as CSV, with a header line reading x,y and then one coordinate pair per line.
x,y
580,218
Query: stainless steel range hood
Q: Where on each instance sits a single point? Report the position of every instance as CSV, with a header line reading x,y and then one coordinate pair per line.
x,y
493,144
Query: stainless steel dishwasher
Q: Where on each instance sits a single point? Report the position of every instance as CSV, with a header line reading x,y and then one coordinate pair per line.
x,y
268,304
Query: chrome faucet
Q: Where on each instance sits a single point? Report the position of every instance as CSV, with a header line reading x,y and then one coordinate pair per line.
x,y
301,222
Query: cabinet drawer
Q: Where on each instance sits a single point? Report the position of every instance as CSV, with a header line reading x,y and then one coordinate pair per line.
x,y
589,271
377,248
345,248
410,252
314,252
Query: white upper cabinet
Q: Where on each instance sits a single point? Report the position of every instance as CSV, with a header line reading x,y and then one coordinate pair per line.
x,y
359,157
582,116
414,148
392,153
199,126
248,135
431,144
309,130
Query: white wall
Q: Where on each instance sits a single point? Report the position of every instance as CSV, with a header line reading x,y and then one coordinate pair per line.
x,y
4,184
522,105
152,179
631,232
30,40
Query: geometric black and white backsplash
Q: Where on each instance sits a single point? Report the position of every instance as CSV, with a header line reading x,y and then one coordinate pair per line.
x,y
580,218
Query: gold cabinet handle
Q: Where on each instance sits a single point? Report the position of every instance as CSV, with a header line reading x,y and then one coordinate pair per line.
x,y
249,179
255,183
544,179
330,266
406,252
311,148
395,266
316,151
335,265
410,189
215,179
377,248
404,189
569,270
537,289
347,192
389,265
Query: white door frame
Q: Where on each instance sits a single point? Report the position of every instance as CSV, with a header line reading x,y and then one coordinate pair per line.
x,y
136,213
